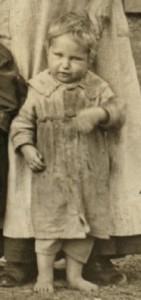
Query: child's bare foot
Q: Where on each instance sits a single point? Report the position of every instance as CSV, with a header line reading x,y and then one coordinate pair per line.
x,y
43,287
83,285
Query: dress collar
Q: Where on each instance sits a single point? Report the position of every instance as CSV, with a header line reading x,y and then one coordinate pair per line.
x,y
45,84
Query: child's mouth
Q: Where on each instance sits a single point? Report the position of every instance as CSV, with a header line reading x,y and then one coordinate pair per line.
x,y
65,73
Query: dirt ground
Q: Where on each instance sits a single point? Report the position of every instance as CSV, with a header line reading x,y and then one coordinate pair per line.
x,y
130,290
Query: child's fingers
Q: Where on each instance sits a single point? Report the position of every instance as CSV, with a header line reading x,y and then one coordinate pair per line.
x,y
37,164
40,156
36,168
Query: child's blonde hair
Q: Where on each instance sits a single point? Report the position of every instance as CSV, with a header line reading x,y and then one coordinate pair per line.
x,y
79,26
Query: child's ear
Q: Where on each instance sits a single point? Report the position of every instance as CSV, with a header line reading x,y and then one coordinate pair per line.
x,y
45,46
45,51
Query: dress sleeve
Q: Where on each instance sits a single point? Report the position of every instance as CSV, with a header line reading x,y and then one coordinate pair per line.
x,y
23,127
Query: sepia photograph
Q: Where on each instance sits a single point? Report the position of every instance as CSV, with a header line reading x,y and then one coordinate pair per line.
x,y
70,149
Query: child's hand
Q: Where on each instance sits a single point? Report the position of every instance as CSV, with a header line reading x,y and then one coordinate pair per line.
x,y
87,119
33,158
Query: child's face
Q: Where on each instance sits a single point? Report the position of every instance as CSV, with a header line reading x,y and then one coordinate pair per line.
x,y
67,59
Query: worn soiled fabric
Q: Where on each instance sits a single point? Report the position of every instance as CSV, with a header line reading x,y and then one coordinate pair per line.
x,y
70,198
115,64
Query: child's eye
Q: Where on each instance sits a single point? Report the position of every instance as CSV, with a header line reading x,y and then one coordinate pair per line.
x,y
76,58
58,54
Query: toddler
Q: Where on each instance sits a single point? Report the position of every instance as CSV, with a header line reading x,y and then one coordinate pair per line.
x,y
60,131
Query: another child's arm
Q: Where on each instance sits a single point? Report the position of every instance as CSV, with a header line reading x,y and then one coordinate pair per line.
x,y
13,89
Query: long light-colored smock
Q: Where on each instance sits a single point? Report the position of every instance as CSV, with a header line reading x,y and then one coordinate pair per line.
x,y
70,198
27,29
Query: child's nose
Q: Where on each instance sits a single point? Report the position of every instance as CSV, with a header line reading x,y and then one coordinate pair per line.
x,y
66,63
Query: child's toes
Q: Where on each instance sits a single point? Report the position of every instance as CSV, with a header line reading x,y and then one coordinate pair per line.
x,y
43,288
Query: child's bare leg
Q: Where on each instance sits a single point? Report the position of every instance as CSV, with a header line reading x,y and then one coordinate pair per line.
x,y
74,276
44,282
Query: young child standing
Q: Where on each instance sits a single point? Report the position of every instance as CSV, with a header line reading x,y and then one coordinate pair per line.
x,y
60,133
